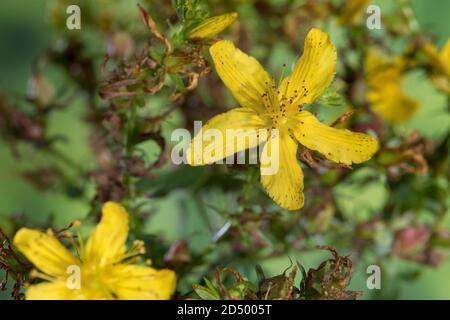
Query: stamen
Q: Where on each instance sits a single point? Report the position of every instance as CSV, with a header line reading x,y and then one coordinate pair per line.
x,y
139,245
283,69
39,275
134,252
77,225
76,245
286,87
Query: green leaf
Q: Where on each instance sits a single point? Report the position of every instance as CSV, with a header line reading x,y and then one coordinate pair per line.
x,y
209,284
187,177
206,293
362,195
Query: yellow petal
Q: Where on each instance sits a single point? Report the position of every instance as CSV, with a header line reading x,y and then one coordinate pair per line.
x,y
212,26
45,251
107,242
338,145
433,56
444,56
142,283
284,184
242,74
391,104
225,135
51,291
353,10
313,72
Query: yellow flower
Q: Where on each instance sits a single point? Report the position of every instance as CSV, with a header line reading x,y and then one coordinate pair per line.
x,y
212,26
352,11
264,106
441,63
385,92
103,268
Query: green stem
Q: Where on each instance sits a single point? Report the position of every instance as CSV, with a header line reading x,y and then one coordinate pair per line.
x,y
129,150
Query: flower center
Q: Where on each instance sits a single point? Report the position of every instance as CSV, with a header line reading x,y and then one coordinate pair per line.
x,y
278,107
94,281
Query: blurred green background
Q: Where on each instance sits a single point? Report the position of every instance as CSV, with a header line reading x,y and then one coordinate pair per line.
x,y
25,32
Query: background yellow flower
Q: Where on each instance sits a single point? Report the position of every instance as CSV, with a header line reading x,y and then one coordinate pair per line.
x,y
105,266
385,92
